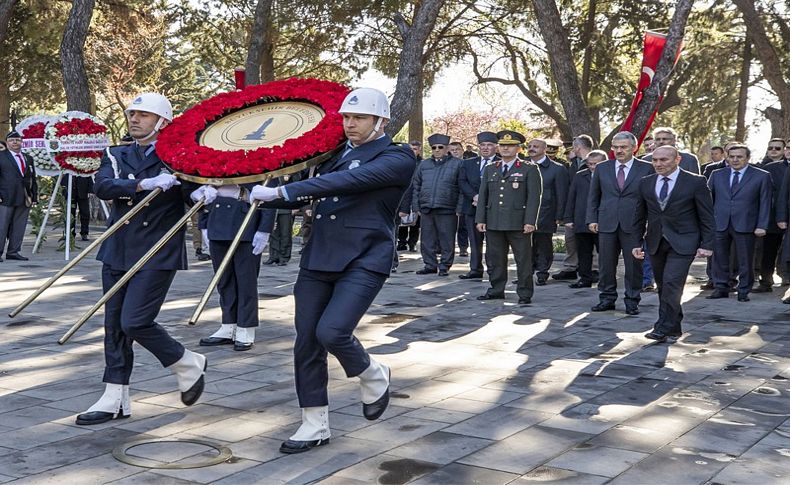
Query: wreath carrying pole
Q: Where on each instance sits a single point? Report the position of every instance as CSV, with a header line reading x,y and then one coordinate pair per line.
x,y
68,218
52,197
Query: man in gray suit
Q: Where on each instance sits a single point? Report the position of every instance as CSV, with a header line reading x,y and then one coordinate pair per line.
x,y
18,191
614,191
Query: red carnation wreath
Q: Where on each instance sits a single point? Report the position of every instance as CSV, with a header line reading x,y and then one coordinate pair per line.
x,y
178,145
78,140
32,129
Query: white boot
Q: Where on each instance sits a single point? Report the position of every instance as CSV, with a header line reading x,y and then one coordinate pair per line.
x,y
374,382
245,335
113,404
315,425
189,371
226,330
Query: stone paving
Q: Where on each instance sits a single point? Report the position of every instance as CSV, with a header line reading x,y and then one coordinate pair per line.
x,y
483,392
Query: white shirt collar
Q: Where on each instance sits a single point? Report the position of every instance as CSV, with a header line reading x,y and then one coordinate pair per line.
x,y
672,177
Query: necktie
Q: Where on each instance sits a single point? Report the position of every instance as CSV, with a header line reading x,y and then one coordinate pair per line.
x,y
735,181
504,170
21,162
621,177
662,196
483,165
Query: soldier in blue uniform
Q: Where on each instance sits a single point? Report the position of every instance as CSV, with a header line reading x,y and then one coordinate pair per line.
x,y
238,288
345,262
126,175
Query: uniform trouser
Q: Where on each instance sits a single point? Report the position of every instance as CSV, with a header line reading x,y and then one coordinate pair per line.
x,y
281,239
476,245
408,235
129,317
238,286
610,246
571,261
496,257
585,243
772,243
84,207
744,248
438,231
328,307
542,253
13,220
670,270
463,233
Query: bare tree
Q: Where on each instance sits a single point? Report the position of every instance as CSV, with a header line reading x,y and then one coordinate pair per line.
x,y
260,55
772,66
410,67
72,58
652,95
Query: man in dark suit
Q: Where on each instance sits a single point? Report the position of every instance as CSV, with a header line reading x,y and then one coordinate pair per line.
x,y
127,174
665,136
81,188
507,211
718,160
783,221
575,215
614,191
677,208
554,177
741,207
772,242
345,262
18,192
471,174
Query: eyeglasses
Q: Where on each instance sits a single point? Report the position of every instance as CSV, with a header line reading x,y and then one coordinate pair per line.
x,y
776,148
437,147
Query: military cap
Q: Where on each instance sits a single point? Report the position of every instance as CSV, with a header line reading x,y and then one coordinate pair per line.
x,y
510,137
487,137
438,139
553,143
13,134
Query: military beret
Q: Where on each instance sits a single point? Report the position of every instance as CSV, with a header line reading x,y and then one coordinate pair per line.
x,y
437,139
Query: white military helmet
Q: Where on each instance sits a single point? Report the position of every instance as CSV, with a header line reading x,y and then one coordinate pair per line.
x,y
366,101
152,103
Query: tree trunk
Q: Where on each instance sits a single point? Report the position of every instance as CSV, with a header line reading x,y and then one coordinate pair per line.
x,y
666,64
6,9
72,59
740,126
410,66
5,104
260,55
416,119
587,34
779,127
766,53
563,68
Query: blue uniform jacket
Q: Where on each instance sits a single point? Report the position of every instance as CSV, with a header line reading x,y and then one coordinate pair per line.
x,y
354,220
225,215
127,246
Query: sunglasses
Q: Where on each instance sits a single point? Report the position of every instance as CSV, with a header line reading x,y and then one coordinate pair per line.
x,y
776,148
437,147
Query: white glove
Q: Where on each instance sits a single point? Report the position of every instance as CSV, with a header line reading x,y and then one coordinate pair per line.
x,y
205,192
230,191
259,241
263,193
164,181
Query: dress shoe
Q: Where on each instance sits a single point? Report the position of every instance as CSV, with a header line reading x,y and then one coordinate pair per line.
x,y
463,254
401,247
15,257
649,288
603,307
633,310
203,257
191,395
565,275
213,341
786,301
282,263
412,249
443,272
470,276
718,294
540,281
743,297
99,417
708,285
762,289
426,271
242,346
291,447
525,301
84,237
374,410
580,284
489,296
190,371
269,262
657,336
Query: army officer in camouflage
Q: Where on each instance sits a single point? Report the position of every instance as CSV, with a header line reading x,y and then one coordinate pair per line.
x,y
507,211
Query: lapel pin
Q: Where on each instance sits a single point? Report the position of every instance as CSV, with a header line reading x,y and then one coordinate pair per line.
x,y
353,164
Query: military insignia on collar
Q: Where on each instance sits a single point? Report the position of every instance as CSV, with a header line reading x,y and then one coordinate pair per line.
x,y
353,164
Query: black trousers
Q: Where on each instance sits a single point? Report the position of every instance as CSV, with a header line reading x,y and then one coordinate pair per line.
x,y
84,207
772,243
438,231
475,245
670,270
542,253
328,307
496,256
610,246
463,233
281,240
409,235
744,249
238,286
129,317
586,242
